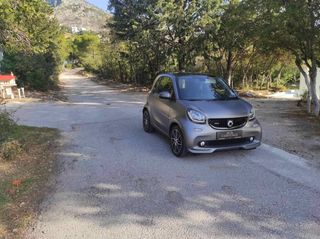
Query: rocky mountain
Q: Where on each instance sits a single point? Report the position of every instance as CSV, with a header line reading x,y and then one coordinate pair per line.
x,y
79,15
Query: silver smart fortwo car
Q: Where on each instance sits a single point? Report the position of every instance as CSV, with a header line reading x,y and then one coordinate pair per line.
x,y
200,114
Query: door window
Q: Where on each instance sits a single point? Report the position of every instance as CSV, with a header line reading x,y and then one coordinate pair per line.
x,y
165,84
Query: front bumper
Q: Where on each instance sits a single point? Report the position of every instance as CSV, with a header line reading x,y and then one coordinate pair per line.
x,y
196,133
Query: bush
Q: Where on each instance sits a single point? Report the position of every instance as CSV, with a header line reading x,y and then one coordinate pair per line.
x,y
7,125
36,71
10,150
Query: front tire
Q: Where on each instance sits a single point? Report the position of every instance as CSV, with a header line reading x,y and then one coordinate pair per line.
x,y
147,126
177,144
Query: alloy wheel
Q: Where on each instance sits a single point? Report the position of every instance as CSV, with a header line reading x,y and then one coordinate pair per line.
x,y
177,142
146,122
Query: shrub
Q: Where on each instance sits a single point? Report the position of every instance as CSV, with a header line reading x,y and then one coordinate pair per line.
x,y
7,125
10,150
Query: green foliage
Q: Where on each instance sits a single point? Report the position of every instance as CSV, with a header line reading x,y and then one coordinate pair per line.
x,y
292,27
115,66
223,38
7,125
10,150
86,51
154,40
32,39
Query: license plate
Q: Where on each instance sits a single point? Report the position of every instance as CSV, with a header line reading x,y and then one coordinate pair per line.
x,y
229,135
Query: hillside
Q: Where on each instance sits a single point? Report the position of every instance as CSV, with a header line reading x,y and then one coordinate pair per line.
x,y
79,15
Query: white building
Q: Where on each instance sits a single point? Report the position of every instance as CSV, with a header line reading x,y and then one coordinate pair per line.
x,y
7,83
303,87
76,30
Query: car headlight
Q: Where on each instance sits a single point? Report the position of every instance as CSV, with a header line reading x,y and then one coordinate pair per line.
x,y
252,114
196,116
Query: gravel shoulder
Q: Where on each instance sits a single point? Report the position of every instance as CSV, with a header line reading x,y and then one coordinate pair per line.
x,y
288,127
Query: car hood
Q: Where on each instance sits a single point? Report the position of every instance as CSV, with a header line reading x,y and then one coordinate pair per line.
x,y
220,108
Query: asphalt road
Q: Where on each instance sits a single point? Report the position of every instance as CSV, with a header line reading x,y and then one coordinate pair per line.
x,y
118,182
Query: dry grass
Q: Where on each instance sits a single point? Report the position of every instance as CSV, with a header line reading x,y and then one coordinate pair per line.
x,y
23,178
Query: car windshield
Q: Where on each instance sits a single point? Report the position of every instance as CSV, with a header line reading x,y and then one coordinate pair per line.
x,y
201,87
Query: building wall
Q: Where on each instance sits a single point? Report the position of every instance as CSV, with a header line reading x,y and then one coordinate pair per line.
x,y
303,86
8,83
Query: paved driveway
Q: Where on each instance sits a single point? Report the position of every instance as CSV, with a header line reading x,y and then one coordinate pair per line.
x,y
118,182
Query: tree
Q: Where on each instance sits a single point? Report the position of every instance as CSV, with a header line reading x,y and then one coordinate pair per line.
x,y
233,37
229,38
185,30
85,50
158,40
135,24
30,37
293,26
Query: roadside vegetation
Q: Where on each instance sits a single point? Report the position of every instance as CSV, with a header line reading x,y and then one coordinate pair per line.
x,y
253,44
26,161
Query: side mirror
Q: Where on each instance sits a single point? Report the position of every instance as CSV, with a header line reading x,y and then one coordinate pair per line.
x,y
165,95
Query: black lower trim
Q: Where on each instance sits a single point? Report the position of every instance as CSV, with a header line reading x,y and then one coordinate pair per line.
x,y
226,142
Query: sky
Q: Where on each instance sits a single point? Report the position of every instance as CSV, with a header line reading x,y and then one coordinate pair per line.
x,y
100,3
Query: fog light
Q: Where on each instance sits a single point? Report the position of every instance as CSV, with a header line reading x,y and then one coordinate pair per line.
x,y
202,143
251,139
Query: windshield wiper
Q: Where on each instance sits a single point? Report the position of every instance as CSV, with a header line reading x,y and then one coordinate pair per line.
x,y
202,99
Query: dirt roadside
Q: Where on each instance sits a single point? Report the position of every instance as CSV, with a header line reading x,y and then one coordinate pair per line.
x,y
289,127
25,169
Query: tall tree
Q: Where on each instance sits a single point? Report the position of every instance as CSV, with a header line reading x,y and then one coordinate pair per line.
x,y
293,26
31,38
234,35
184,24
135,23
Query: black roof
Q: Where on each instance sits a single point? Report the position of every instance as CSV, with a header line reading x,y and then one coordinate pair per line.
x,y
177,74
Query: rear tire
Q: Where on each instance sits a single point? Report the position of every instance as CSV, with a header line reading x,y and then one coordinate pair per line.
x,y
177,144
147,125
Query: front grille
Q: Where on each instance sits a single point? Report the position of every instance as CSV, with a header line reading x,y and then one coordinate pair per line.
x,y
226,142
223,123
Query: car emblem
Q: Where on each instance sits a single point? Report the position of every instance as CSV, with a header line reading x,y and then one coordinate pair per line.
x,y
230,123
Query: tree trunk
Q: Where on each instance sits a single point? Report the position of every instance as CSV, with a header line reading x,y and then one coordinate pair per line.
x,y
262,81
244,81
251,80
313,91
229,68
182,62
312,45
307,81
269,81
279,76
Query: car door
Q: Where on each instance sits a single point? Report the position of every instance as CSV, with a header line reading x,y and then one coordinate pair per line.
x,y
152,101
162,107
